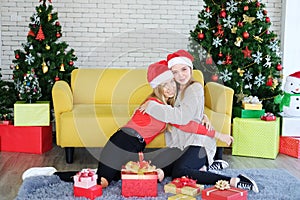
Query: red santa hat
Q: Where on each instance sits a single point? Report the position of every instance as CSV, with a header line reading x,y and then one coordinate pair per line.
x,y
296,74
158,73
180,57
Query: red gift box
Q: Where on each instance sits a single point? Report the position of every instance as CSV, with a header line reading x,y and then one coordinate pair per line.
x,y
228,194
290,146
91,193
139,185
26,139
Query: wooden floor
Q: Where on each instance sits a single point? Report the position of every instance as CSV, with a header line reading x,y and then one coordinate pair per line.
x,y
12,165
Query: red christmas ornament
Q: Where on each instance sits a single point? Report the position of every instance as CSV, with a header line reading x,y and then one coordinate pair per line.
x,y
220,54
40,35
17,56
265,12
71,63
269,82
245,35
228,60
56,78
214,77
257,4
223,13
31,33
58,35
268,19
247,52
209,59
207,9
240,24
279,67
201,35
246,8
57,23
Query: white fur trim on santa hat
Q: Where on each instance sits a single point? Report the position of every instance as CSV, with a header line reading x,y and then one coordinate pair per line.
x,y
167,75
180,60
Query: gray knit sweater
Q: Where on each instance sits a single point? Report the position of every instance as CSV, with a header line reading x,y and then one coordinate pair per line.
x,y
190,107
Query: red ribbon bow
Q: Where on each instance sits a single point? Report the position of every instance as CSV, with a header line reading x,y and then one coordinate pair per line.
x,y
184,181
85,174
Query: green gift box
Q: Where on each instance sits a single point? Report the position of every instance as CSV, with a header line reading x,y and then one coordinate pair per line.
x,y
32,114
242,113
255,137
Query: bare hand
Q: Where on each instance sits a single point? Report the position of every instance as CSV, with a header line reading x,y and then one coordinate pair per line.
x,y
228,139
206,123
143,107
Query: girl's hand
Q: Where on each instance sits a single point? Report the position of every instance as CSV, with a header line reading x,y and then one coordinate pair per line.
x,y
228,139
143,107
206,123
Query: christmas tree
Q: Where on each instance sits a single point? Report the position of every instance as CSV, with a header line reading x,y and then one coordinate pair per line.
x,y
7,99
232,44
44,55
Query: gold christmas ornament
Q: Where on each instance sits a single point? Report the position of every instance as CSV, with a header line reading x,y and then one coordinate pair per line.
x,y
240,71
238,41
248,19
49,17
44,67
62,67
234,29
257,38
17,67
47,47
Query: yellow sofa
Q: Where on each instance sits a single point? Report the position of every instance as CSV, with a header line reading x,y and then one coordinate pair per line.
x,y
101,100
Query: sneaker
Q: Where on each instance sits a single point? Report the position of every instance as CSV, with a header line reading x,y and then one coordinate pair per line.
x,y
247,182
38,171
218,165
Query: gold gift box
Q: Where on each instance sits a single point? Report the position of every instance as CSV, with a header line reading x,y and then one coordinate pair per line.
x,y
188,190
180,197
252,106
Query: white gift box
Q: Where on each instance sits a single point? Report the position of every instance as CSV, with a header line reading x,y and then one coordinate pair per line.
x,y
85,179
290,126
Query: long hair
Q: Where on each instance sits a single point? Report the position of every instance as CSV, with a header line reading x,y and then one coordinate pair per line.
x,y
158,93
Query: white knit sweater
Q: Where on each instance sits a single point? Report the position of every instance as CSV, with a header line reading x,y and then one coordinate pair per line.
x,y
191,107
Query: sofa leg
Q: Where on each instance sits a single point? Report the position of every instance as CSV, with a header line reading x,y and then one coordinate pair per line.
x,y
219,153
69,154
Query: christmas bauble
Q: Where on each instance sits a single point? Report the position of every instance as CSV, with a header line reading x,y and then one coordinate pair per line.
x,y
71,63
223,13
265,12
245,35
269,82
257,4
214,77
246,8
207,9
220,54
58,35
47,47
268,19
57,23
17,56
11,66
56,78
279,67
201,36
240,24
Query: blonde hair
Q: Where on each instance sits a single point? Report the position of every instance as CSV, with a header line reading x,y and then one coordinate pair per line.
x,y
158,93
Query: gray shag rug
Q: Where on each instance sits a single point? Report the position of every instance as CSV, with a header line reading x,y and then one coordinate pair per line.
x,y
274,184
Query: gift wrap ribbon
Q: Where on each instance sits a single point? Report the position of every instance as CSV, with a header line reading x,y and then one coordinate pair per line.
x,y
85,174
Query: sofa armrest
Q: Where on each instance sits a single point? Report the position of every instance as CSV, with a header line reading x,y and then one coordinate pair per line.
x,y
62,97
218,98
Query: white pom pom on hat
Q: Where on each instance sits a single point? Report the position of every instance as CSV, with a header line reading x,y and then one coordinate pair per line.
x,y
158,73
180,57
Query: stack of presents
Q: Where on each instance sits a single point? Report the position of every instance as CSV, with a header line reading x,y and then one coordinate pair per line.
x,y
30,132
140,179
261,134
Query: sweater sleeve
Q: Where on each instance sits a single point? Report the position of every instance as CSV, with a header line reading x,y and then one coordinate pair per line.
x,y
193,97
194,127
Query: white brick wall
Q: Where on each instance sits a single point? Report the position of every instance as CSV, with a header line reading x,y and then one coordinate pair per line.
x,y
112,33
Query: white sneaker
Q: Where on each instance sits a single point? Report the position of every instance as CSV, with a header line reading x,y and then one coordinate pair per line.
x,y
218,165
38,171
